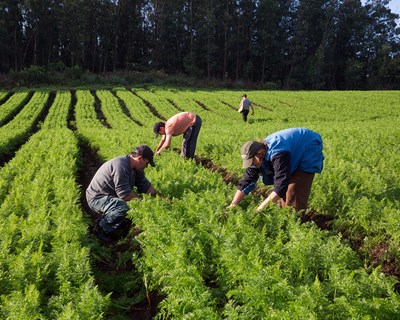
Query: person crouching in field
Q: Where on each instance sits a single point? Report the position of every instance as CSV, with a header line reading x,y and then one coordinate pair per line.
x,y
111,189
287,159
185,123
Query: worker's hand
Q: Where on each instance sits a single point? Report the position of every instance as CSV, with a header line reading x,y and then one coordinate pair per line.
x,y
271,199
262,206
158,153
232,205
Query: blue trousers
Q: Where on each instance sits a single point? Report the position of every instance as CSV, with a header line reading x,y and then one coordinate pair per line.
x,y
113,221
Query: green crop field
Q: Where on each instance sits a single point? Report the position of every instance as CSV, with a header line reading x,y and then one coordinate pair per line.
x,y
188,257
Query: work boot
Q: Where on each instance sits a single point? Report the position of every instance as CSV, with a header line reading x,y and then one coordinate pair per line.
x,y
104,238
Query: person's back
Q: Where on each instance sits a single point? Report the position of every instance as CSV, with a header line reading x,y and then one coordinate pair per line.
x,y
114,171
246,104
303,145
112,187
187,124
179,123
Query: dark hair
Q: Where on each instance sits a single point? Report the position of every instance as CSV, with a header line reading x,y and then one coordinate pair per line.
x,y
157,127
145,152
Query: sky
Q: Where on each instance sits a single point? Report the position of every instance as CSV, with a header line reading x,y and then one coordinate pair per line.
x,y
394,5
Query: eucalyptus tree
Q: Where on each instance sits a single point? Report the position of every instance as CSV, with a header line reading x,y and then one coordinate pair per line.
x,y
305,44
170,33
11,35
132,33
40,31
381,44
77,28
202,57
314,44
227,19
244,39
273,30
351,25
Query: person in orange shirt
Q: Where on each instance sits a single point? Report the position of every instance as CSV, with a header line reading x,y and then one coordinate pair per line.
x,y
186,123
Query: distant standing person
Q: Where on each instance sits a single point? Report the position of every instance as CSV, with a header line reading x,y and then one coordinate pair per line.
x,y
111,189
287,159
244,107
186,123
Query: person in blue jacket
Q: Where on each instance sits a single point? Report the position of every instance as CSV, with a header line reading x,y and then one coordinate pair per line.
x,y
287,159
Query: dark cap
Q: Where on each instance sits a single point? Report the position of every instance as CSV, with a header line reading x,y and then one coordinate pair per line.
x,y
157,127
249,149
145,152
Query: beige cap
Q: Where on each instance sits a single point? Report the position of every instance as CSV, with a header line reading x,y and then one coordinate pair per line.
x,y
249,149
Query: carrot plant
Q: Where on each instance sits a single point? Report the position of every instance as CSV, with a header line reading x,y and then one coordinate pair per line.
x,y
58,113
45,267
247,266
12,106
137,107
204,261
17,130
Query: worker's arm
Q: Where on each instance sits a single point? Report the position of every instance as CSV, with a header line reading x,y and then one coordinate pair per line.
x,y
272,198
239,195
164,144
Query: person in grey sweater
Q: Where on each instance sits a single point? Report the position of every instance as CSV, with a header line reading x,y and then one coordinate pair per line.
x,y
112,187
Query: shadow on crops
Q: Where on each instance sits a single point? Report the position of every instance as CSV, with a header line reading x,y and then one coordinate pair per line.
x,y
259,120
152,109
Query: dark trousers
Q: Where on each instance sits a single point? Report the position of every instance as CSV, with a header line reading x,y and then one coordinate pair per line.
x,y
190,139
244,115
299,190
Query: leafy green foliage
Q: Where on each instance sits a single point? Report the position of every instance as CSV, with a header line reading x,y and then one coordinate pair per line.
x,y
45,267
204,261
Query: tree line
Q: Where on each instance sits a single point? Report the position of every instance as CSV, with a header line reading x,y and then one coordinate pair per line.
x,y
294,44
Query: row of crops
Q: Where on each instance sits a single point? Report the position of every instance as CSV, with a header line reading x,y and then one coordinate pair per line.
x,y
202,261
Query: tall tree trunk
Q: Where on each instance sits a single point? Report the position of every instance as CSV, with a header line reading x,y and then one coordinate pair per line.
x,y
237,50
35,48
191,28
224,68
15,49
263,65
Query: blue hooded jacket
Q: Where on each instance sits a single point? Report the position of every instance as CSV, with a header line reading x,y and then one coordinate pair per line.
x,y
303,148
